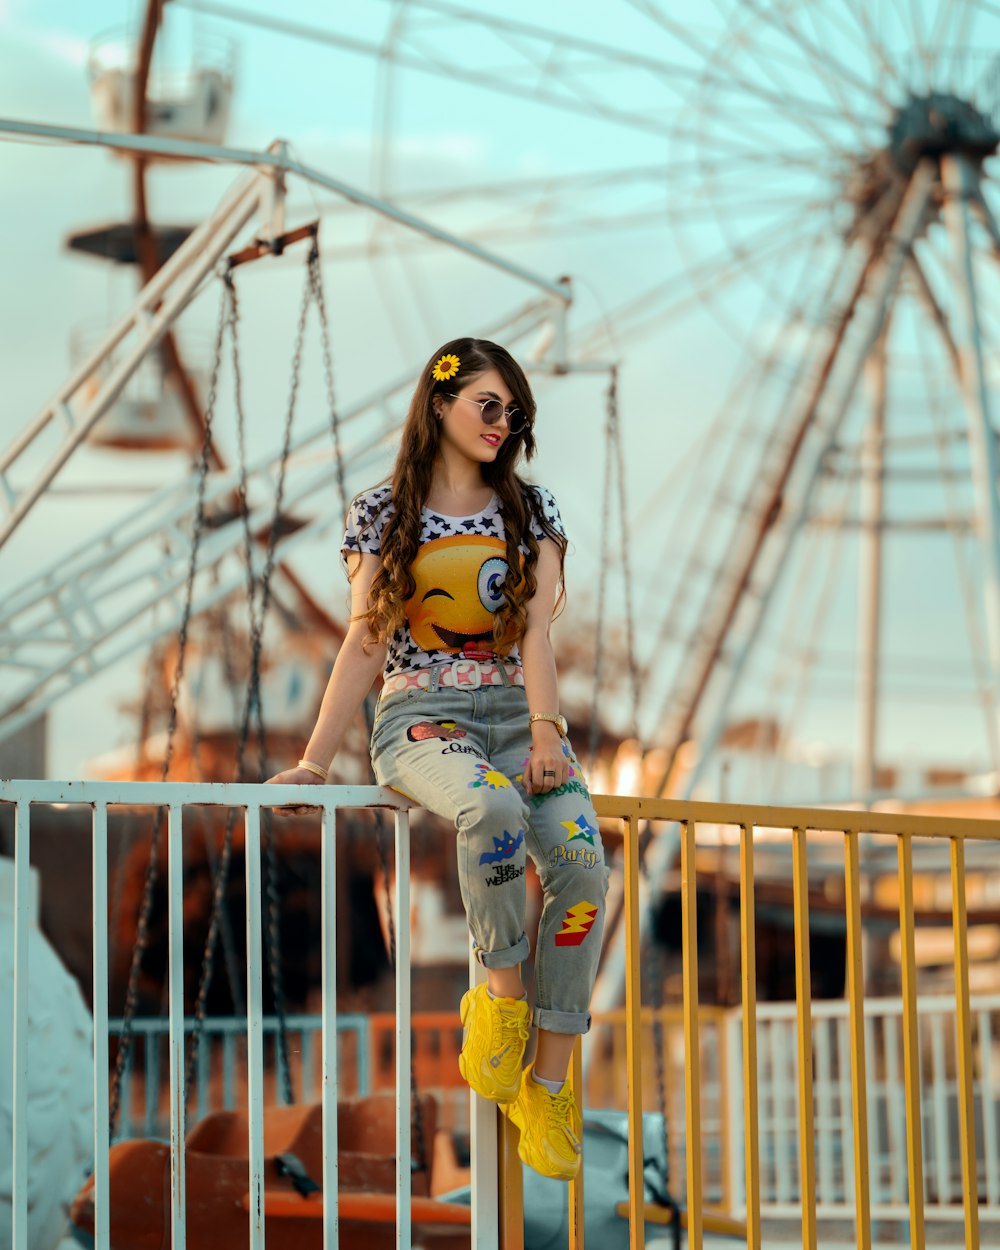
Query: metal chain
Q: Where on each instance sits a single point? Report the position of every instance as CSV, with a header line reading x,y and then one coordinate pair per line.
x,y
316,281
273,931
152,870
257,606
221,875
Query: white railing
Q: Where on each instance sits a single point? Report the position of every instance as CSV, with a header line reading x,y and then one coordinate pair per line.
x,y
780,1194
219,1071
99,796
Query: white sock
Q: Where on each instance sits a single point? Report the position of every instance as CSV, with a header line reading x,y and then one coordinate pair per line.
x,y
554,1087
520,998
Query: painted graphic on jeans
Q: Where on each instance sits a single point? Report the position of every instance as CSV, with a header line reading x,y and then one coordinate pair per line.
x,y
426,729
577,923
579,830
505,873
488,778
584,856
503,848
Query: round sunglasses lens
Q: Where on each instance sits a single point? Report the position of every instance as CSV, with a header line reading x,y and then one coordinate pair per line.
x,y
516,421
492,411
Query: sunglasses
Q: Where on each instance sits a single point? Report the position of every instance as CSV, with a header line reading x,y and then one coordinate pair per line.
x,y
491,410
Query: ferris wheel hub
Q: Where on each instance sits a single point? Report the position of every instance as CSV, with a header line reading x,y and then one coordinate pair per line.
x,y
940,124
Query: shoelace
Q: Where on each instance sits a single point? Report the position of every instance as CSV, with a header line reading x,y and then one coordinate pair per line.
x,y
507,1022
558,1110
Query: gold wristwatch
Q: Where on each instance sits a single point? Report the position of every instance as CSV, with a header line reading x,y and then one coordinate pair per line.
x,y
554,717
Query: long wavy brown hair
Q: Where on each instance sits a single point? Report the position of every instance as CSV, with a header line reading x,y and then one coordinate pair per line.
x,y
520,502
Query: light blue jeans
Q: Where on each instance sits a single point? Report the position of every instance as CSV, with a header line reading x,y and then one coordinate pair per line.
x,y
461,754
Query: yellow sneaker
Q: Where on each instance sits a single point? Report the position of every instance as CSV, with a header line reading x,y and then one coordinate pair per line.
x,y
551,1128
496,1032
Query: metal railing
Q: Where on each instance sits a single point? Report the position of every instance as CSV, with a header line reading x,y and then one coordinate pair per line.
x,y
99,796
836,1146
851,825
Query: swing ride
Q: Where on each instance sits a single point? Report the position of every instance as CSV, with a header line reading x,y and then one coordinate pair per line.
x,y
843,233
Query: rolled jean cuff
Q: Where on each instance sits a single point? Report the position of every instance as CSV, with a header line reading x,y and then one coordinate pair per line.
x,y
508,958
561,1021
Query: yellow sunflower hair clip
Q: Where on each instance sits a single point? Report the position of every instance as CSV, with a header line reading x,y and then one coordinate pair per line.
x,y
446,368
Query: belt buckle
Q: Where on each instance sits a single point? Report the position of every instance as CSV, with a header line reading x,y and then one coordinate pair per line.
x,y
462,671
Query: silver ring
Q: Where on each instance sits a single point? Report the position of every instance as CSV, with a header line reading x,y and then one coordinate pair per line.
x,y
548,773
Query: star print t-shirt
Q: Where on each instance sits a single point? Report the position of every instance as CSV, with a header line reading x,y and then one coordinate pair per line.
x,y
459,571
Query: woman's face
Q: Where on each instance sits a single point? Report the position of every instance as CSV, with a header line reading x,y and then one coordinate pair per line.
x,y
462,425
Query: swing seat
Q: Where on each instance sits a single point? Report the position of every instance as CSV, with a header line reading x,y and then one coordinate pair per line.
x,y
711,1221
217,1194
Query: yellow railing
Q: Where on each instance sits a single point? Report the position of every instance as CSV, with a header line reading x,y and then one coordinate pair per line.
x,y
798,822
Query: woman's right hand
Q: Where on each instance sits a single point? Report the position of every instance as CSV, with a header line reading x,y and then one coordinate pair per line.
x,y
295,777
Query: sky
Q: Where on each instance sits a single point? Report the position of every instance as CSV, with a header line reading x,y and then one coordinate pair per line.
x,y
725,149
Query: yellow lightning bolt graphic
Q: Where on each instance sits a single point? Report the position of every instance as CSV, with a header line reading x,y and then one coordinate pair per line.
x,y
577,924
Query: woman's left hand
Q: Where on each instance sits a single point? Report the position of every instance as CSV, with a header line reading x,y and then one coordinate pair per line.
x,y
548,767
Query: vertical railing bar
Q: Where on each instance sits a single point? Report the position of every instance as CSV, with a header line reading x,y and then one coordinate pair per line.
x,y
824,1112
895,1111
633,1036
151,1081
175,909
844,1079
228,1070
404,1111
365,1057
963,1025
989,1110
692,1040
22,917
872,1091
575,1187
723,1086
939,1094
859,1075
255,1027
748,971
308,1040
509,1176
203,1072
127,1125
485,1148
736,1101
911,1043
329,1039
803,1000
102,1142
779,1103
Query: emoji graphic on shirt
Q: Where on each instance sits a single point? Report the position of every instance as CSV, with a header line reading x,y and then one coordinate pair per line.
x,y
459,588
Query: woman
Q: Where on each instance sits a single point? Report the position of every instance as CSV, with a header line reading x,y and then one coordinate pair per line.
x,y
456,570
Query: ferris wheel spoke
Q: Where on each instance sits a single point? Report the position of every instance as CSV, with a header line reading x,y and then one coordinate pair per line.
x,y
821,60
802,111
940,35
882,60
909,24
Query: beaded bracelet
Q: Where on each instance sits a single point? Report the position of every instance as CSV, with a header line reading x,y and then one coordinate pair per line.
x,y
309,766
